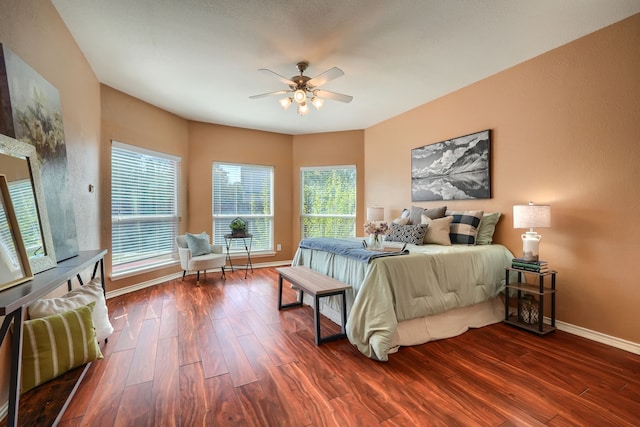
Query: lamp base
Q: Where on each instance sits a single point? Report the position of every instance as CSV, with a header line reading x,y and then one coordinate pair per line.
x,y
530,245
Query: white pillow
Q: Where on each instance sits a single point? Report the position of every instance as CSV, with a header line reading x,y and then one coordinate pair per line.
x,y
401,221
91,292
438,230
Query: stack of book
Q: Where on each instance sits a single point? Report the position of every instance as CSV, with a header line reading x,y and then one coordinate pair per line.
x,y
534,266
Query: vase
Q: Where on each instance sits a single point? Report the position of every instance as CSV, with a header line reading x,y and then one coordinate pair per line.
x,y
375,241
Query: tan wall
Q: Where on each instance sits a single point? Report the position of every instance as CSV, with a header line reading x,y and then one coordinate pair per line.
x,y
566,131
131,121
33,30
209,143
327,149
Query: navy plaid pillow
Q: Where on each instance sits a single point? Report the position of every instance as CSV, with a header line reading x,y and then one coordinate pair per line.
x,y
464,226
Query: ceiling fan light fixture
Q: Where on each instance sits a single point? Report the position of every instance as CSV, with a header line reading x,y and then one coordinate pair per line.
x,y
286,103
303,109
300,96
317,102
303,90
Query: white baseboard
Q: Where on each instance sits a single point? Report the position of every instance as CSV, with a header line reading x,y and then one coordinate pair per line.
x,y
272,264
620,343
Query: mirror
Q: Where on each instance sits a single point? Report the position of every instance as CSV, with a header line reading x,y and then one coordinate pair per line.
x,y
14,265
19,163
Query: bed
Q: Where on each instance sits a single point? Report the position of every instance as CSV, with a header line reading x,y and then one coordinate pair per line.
x,y
431,292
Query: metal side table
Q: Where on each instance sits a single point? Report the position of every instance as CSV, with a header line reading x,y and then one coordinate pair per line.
x,y
247,241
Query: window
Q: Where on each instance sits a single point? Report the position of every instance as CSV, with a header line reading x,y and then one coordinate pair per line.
x,y
144,213
244,191
328,201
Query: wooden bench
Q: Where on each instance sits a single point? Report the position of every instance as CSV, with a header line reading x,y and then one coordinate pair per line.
x,y
318,285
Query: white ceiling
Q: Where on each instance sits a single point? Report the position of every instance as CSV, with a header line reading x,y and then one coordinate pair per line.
x,y
199,58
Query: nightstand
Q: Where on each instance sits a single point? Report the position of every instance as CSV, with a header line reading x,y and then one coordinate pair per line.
x,y
530,300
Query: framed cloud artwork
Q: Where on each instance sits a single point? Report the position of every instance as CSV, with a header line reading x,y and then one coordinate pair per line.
x,y
31,112
458,168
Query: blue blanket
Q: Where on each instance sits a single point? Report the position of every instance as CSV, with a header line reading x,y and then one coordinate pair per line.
x,y
347,248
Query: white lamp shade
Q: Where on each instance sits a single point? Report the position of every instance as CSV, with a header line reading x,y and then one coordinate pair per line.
x,y
375,214
317,102
303,109
286,103
531,216
300,96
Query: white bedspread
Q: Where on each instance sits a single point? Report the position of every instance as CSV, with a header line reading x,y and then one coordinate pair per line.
x,y
430,280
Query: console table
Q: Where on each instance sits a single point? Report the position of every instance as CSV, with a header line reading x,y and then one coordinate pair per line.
x,y
13,302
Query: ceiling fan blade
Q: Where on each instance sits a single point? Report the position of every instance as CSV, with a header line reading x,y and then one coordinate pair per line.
x,y
283,79
330,74
332,95
278,92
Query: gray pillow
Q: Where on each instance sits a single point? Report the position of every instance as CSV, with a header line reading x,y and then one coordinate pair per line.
x,y
434,213
407,233
198,244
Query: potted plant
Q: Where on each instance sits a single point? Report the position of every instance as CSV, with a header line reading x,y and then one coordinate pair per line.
x,y
238,227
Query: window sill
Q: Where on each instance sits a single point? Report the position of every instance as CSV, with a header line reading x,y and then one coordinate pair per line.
x,y
262,254
135,271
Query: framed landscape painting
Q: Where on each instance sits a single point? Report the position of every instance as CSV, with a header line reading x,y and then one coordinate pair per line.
x,y
31,112
457,168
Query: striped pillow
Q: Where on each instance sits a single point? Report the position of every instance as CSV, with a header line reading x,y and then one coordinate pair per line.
x,y
464,226
55,344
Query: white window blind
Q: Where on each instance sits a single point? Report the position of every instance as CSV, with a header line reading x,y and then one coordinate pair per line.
x,y
244,191
7,246
328,201
24,205
144,194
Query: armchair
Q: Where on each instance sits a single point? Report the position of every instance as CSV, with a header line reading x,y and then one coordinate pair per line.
x,y
215,259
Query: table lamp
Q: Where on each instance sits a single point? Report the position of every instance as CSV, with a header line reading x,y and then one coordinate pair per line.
x,y
375,213
531,216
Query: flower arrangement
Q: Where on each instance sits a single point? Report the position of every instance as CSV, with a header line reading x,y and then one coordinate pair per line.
x,y
376,227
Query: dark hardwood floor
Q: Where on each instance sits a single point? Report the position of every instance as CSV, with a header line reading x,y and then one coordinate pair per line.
x,y
222,354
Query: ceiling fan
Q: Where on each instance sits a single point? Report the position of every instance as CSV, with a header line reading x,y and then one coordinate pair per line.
x,y
303,88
